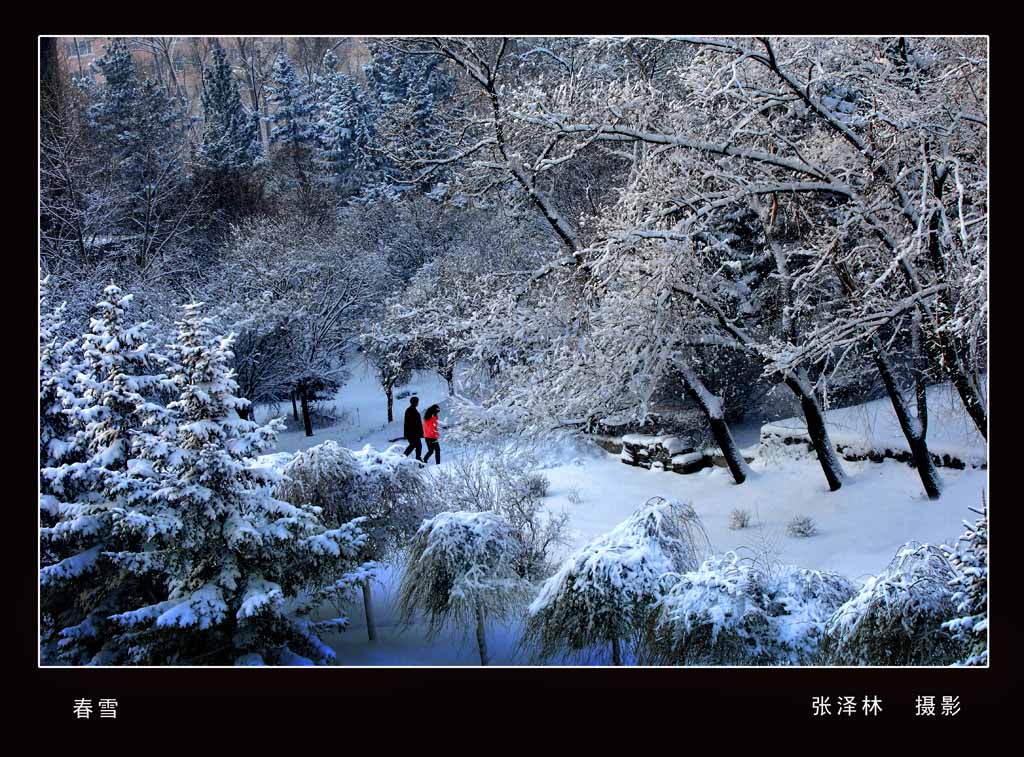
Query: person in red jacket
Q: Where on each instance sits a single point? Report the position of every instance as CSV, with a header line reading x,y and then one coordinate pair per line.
x,y
430,433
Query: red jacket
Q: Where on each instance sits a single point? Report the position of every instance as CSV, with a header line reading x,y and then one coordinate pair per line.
x,y
430,428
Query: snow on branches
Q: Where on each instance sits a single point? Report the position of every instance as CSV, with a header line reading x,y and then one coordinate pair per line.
x,y
603,594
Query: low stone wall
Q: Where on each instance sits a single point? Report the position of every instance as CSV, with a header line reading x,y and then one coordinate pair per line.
x,y
855,449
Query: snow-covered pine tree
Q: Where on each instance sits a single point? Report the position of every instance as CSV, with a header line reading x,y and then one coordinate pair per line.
x,y
57,368
112,395
293,106
603,595
231,140
409,90
242,571
460,570
140,141
969,558
58,364
344,129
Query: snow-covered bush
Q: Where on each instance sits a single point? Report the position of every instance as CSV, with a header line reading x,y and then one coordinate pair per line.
x,y
732,611
602,595
384,488
896,618
504,483
801,526
969,558
739,518
461,570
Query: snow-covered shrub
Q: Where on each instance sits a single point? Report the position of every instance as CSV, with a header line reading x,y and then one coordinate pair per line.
x,y
602,595
969,558
896,618
739,518
461,569
801,526
504,483
383,487
731,611
574,495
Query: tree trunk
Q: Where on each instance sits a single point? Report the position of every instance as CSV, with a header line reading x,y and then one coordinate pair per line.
x,y
295,408
390,393
965,387
481,639
711,406
954,364
818,431
616,653
912,428
245,413
920,373
371,623
306,420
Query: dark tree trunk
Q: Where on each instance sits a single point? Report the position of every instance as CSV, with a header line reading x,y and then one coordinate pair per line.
x,y
711,406
295,408
616,652
912,428
245,413
817,430
481,638
371,623
965,387
920,373
390,393
306,420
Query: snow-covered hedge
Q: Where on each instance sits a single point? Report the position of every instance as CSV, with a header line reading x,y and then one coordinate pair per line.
x,y
603,593
896,618
732,611
382,486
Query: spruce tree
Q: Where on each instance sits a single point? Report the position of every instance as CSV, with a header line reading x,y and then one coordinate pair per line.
x,y
242,570
293,106
409,92
57,366
230,135
969,558
343,122
140,139
80,586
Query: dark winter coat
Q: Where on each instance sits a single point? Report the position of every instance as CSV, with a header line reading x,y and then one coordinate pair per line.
x,y
413,424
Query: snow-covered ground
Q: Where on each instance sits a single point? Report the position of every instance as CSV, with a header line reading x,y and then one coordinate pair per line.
x,y
859,527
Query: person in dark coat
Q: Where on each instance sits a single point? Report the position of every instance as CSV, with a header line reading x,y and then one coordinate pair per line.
x,y
431,433
414,428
